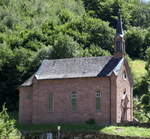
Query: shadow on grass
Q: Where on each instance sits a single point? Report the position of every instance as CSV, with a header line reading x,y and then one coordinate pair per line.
x,y
64,127
53,126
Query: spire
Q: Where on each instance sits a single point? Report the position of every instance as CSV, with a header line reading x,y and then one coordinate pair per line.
x,y
119,30
119,38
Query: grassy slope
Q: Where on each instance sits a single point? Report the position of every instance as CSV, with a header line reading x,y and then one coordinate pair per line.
x,y
138,69
127,131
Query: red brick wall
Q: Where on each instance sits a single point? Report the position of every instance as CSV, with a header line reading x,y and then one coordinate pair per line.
x,y
62,89
113,98
25,105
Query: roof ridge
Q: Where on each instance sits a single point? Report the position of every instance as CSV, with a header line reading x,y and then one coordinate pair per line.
x,y
76,58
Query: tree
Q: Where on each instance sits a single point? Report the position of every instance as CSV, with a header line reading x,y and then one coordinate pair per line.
x,y
145,98
88,30
65,47
14,67
135,39
140,15
148,68
107,10
97,51
43,53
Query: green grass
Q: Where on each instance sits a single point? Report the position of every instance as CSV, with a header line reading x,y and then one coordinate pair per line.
x,y
53,126
127,131
64,127
116,130
138,68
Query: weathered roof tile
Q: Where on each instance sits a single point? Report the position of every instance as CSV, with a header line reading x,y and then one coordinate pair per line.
x,y
75,68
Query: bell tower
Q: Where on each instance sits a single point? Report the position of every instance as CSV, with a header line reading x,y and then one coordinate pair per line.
x,y
119,39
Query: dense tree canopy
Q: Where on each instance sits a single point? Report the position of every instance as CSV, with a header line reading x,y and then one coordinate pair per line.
x,y
31,31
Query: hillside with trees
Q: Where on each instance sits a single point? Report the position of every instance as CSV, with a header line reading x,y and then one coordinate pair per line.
x,y
33,30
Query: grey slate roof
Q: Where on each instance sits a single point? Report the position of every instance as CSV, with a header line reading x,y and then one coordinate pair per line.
x,y
76,68
28,82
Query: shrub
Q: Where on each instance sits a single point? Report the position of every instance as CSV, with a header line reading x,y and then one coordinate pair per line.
x,y
91,121
7,128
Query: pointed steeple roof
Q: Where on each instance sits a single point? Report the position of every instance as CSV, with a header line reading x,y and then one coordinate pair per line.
x,y
119,39
119,29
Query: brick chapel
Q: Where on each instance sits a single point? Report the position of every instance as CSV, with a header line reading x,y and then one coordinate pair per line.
x,y
75,90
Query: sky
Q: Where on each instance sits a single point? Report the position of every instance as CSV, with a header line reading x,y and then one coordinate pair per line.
x,y
145,0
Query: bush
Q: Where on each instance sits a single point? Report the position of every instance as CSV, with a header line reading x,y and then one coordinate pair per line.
x,y
91,121
7,128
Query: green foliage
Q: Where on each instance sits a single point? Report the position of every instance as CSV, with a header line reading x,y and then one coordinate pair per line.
x,y
96,51
25,41
139,113
135,39
92,31
91,122
140,15
142,108
127,131
140,87
144,103
142,90
5,56
145,99
65,47
43,53
31,31
139,72
148,64
107,10
65,16
7,126
147,38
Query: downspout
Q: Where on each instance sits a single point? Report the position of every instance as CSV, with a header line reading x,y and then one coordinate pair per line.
x,y
110,99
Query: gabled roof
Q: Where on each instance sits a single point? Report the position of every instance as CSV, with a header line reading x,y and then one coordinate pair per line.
x,y
76,68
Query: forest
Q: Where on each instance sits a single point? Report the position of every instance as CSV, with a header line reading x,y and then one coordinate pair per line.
x,y
33,30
